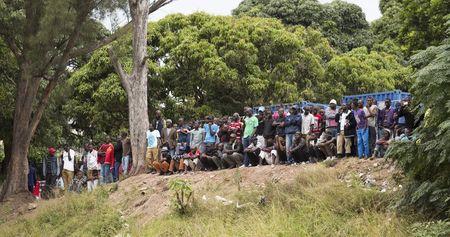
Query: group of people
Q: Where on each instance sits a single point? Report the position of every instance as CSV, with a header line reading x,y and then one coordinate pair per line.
x,y
299,135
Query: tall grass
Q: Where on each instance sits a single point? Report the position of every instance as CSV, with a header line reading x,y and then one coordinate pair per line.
x,y
317,204
87,214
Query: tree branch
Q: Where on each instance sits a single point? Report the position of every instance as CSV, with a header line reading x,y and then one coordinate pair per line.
x,y
119,69
155,5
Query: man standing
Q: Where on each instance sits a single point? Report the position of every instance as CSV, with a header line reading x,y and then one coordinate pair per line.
x,y
183,137
153,142
68,158
362,131
92,167
126,151
109,161
330,115
308,121
197,136
371,112
346,133
169,137
318,121
235,126
386,118
158,122
118,152
251,122
278,123
210,130
292,124
50,168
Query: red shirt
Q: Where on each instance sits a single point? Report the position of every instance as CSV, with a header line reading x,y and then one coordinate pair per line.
x,y
193,155
235,127
317,123
108,159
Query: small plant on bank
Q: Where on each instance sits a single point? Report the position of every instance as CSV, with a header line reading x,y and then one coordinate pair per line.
x,y
183,195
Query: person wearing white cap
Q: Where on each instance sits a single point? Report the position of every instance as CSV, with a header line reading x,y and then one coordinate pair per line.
x,y
330,115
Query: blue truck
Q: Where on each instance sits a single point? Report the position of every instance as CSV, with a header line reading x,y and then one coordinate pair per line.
x,y
396,96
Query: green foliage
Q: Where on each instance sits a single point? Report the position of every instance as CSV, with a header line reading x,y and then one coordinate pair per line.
x,y
360,71
434,229
343,23
87,214
413,24
200,65
183,196
426,161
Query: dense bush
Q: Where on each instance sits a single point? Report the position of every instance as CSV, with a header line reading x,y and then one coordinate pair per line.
x,y
426,161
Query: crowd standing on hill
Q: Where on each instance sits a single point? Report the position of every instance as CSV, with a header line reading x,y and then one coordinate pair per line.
x,y
293,137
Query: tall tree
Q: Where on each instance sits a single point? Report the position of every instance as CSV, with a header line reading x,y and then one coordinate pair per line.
x,y
135,83
45,36
343,23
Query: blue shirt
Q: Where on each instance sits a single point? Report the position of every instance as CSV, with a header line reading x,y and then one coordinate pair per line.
x,y
210,138
152,137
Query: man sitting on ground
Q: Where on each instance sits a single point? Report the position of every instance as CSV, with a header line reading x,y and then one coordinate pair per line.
x,y
232,155
190,160
382,145
299,150
210,159
161,165
326,144
268,153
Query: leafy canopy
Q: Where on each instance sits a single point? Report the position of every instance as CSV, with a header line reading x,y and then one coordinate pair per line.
x,y
343,23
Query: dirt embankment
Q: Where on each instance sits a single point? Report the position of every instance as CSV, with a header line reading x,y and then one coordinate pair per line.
x,y
147,196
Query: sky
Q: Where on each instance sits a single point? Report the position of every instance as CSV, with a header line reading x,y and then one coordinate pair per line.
x,y
224,7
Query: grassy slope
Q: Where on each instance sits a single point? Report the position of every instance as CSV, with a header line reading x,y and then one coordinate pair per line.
x,y
316,203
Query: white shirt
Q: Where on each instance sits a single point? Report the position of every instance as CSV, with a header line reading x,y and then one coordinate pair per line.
x,y
69,164
307,122
371,121
152,138
343,119
91,160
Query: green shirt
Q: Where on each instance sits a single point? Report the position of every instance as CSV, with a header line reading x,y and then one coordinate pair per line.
x,y
250,125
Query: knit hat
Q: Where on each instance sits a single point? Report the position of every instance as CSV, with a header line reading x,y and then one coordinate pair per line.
x,y
51,151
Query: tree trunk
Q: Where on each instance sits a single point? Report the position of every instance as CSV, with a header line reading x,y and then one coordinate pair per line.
x,y
138,117
17,175
135,84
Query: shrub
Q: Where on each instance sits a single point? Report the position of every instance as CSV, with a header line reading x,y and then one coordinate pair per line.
x,y
183,199
426,161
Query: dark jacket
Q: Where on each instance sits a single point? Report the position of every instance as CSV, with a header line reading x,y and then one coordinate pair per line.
x,y
50,166
292,123
350,129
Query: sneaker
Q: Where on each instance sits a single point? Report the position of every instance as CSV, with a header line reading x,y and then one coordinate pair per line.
x,y
242,166
272,165
333,158
328,158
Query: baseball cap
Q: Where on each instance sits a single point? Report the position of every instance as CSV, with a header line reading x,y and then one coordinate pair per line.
x,y
333,101
261,109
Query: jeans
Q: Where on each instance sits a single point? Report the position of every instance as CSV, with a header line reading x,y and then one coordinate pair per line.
x,y
289,144
363,142
246,143
372,139
125,161
106,174
116,171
